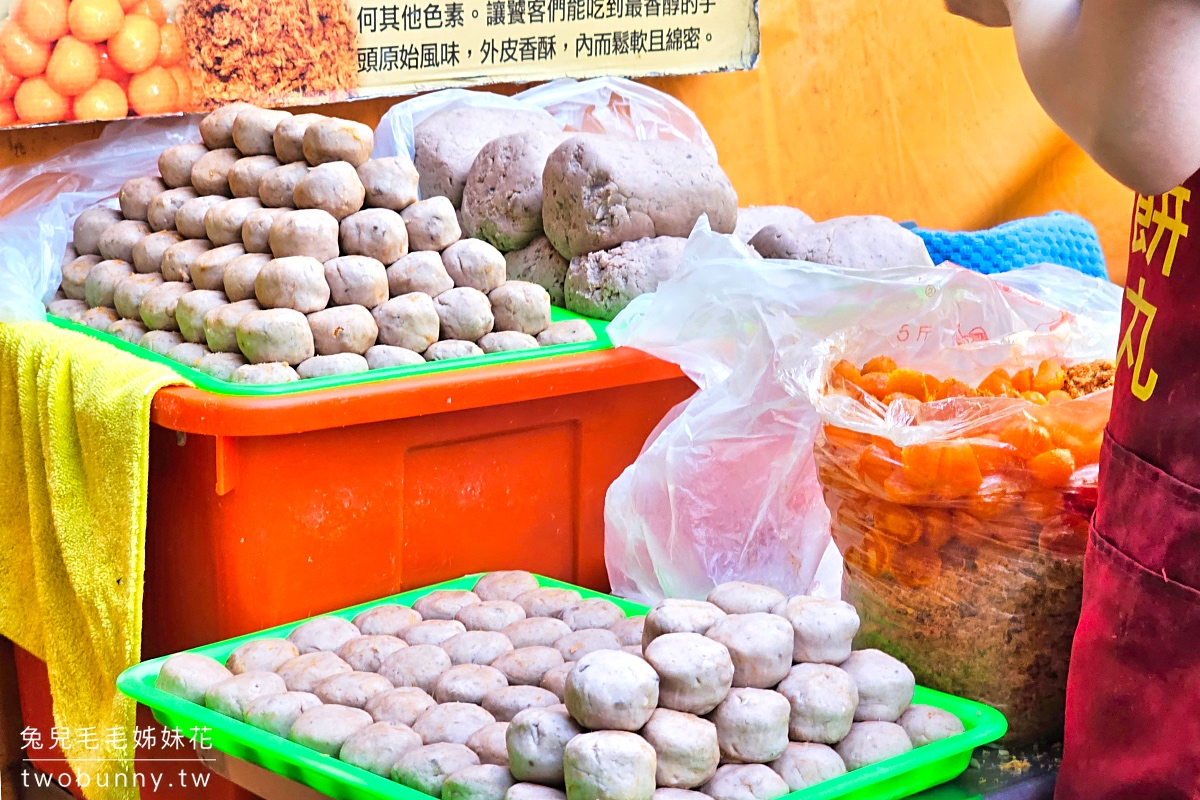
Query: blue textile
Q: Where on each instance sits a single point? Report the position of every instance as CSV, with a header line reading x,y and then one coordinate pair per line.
x,y
1056,238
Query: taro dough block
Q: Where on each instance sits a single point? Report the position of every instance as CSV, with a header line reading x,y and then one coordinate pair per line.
x,y
118,240
254,130
477,647
536,739
210,173
101,282
148,253
159,303
190,311
304,672
547,602
296,282
231,696
240,273
502,199
288,137
246,174
824,628
539,263
136,194
739,597
869,242
276,187
465,313
275,335
885,685
356,280
221,325
451,722
256,229
602,283
869,742
753,219
489,743
629,630
332,139
223,222
261,654
522,307
467,683
177,259
652,188
566,332
760,645
536,632
676,615
343,329
378,233
222,366
503,341
410,321
594,612
175,163
337,364
189,218
695,672
389,182
822,699
387,619
377,747
427,768
612,690
926,724
555,679
323,633
162,209
508,701
609,765
327,727
745,782
476,264
444,603
447,142
190,676
416,665
276,713
333,187
490,615
433,631
431,224
421,271
481,782
382,356
90,226
310,232
452,348
352,689
752,725
805,764
208,270
403,705
216,129
687,748
272,372
505,585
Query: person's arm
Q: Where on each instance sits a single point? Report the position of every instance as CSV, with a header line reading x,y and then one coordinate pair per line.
x,y
1121,77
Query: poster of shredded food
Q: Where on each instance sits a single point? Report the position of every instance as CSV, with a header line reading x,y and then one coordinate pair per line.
x,y
64,60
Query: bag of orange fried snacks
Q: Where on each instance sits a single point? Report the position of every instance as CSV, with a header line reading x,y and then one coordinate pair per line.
x,y
960,471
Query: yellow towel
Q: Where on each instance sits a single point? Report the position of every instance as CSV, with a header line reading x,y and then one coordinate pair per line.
x,y
74,457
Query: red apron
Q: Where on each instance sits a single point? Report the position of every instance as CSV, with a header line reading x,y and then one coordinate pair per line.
x,y
1133,691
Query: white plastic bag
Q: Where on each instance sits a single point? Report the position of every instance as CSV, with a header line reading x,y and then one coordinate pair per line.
x,y
726,487
51,193
613,106
619,107
394,135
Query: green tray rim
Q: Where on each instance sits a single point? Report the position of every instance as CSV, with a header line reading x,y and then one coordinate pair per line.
x,y
900,776
210,384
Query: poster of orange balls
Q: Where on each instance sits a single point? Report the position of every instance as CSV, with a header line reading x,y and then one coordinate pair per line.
x,y
83,60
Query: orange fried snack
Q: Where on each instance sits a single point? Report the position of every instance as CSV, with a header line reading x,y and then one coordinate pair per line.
x,y
1022,380
876,465
997,384
949,468
1052,468
953,387
897,523
879,364
909,382
915,566
1050,377
873,555
1029,437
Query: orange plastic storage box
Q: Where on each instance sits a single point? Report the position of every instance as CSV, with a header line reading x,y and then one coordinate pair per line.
x,y
263,510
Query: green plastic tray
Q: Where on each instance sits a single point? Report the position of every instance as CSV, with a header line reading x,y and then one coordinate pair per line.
x,y
211,384
896,777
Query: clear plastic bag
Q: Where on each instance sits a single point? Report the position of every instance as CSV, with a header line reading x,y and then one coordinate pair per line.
x,y
394,134
619,107
613,106
42,200
961,482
